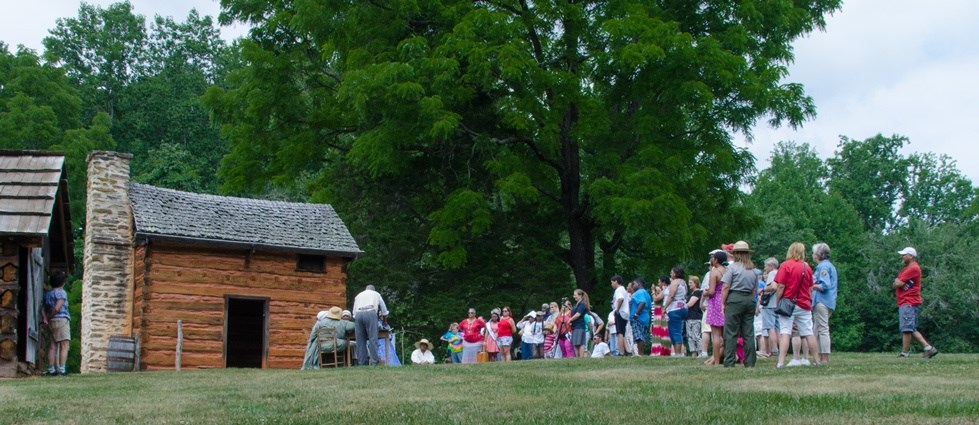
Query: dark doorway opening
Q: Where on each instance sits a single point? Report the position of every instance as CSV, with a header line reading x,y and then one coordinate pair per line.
x,y
246,332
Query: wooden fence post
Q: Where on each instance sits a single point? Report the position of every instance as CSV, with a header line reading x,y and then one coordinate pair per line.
x,y
136,355
180,341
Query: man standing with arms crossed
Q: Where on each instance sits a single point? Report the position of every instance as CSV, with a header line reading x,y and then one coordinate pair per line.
x,y
620,309
368,307
907,288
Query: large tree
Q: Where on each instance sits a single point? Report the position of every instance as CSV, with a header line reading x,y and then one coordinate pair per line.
x,y
608,123
149,81
102,49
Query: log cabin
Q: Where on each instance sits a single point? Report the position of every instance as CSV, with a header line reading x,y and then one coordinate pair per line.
x,y
243,277
35,237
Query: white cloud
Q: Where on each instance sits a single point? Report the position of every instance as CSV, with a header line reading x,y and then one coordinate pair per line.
x,y
890,67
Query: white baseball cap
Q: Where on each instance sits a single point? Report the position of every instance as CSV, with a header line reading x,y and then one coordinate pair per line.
x,y
908,251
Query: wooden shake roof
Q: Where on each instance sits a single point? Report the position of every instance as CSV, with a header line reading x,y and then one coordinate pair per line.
x,y
29,185
190,217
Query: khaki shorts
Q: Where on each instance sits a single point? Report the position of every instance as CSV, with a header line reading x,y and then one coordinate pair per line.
x,y
60,331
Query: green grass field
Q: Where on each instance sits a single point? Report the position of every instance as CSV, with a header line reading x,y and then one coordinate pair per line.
x,y
875,389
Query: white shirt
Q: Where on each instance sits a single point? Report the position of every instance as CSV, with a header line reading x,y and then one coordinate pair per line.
x,y
600,350
611,323
533,331
370,300
621,293
418,357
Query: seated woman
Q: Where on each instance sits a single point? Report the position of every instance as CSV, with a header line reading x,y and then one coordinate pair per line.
x,y
422,354
327,319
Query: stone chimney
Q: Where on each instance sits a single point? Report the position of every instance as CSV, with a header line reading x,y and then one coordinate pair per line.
x,y
107,291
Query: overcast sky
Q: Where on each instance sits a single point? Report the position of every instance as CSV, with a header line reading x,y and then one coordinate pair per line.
x,y
882,66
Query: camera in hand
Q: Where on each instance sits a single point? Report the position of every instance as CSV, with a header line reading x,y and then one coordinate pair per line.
x,y
909,284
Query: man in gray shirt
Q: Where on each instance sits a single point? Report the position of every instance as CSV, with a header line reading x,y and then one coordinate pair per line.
x,y
738,296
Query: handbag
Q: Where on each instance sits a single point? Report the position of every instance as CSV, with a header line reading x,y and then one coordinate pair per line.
x,y
785,307
766,297
482,357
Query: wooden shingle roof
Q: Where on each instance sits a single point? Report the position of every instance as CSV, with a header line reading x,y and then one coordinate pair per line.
x,y
29,184
191,217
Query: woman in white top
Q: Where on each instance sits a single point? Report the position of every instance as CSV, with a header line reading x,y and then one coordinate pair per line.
x,y
675,304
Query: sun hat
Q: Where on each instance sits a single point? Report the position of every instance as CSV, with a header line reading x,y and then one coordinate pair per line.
x,y
711,255
334,313
321,315
423,341
909,251
740,246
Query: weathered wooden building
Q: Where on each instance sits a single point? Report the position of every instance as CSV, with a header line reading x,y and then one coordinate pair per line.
x,y
35,234
245,277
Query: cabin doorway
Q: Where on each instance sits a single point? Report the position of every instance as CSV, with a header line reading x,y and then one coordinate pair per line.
x,y
246,332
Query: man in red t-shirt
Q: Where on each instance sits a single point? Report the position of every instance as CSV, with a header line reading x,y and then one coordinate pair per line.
x,y
907,288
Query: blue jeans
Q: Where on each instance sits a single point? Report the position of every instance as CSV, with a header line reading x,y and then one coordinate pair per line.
x,y
675,325
456,357
526,351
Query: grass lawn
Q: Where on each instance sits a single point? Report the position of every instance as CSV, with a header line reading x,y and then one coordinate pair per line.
x,y
875,389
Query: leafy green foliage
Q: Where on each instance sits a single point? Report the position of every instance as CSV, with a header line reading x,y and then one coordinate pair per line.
x,y
870,175
149,82
102,50
37,102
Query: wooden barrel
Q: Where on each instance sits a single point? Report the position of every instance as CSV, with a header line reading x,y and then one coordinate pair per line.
x,y
121,356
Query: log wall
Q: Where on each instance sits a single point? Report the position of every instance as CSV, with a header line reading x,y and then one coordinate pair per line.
x,y
190,283
9,290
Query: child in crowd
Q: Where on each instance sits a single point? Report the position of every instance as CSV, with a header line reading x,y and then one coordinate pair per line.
x,y
550,341
55,314
454,340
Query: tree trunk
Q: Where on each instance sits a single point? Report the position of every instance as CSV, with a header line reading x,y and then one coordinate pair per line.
x,y
581,256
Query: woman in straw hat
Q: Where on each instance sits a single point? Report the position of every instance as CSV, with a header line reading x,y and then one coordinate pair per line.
x,y
740,284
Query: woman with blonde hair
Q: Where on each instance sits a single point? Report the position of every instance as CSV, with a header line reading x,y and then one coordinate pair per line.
x,y
794,281
579,338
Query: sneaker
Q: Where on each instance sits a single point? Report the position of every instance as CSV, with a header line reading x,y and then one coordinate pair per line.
x,y
762,354
929,353
63,373
794,363
804,362
703,355
817,365
904,355
780,366
51,373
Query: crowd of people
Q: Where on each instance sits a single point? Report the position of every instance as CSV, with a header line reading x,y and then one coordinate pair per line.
x,y
737,313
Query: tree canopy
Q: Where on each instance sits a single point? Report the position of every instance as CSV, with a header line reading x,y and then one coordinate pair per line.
x,y
607,123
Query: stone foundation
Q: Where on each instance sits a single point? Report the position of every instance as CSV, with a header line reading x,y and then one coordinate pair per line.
x,y
107,293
